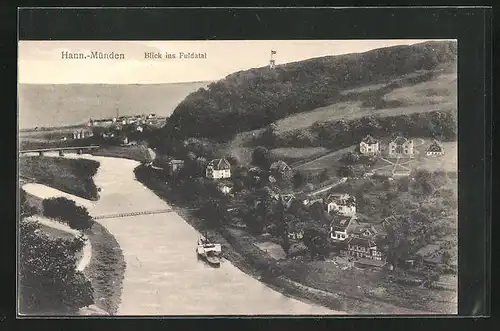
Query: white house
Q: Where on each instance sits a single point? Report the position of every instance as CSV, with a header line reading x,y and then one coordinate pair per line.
x,y
218,168
369,146
363,248
434,149
344,203
339,227
401,147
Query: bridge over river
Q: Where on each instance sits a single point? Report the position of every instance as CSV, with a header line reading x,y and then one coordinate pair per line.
x,y
163,275
60,150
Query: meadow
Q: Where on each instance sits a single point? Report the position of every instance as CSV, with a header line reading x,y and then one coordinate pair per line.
x,y
73,176
427,96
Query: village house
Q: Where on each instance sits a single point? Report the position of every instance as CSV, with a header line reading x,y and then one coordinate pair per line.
x,y
287,199
339,227
365,232
281,169
81,134
343,203
369,146
401,147
173,166
363,248
295,234
434,149
107,135
218,168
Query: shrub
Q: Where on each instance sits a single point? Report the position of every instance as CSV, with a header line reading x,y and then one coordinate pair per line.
x,y
48,279
68,212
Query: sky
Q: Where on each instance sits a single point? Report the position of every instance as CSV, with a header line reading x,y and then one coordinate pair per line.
x,y
41,62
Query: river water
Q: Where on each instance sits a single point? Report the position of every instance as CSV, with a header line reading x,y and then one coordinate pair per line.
x,y
163,275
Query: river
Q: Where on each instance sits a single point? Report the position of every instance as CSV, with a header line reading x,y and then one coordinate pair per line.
x,y
163,275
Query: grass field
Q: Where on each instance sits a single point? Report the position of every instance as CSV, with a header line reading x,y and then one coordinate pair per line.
x,y
442,90
292,154
73,176
332,112
357,286
327,161
417,98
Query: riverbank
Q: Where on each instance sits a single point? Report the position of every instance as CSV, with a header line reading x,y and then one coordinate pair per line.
x,y
73,176
352,290
241,253
106,268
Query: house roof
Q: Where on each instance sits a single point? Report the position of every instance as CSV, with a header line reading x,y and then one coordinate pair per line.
x,y
219,164
435,147
287,198
400,140
341,222
280,166
365,231
361,242
369,140
176,161
340,198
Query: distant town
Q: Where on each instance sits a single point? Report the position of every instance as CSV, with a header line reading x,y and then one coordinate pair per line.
x,y
116,128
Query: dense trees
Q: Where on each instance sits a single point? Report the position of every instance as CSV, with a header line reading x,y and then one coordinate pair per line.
x,y
49,282
261,157
254,98
214,213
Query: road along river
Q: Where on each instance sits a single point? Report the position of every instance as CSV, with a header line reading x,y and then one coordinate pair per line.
x,y
163,275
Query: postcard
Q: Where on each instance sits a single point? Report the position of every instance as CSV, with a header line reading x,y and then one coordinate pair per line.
x,y
238,177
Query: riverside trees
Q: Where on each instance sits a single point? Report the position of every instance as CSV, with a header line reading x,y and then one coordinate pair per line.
x,y
48,279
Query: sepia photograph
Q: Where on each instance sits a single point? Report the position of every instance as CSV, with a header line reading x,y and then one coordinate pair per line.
x,y
237,178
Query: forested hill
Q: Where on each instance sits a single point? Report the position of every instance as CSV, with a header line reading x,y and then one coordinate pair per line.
x,y
251,99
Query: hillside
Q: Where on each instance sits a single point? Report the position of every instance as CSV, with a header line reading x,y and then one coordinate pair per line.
x,y
60,105
252,99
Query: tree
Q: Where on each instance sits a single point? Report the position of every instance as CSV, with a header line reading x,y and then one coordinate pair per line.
x,y
25,209
270,135
298,180
261,157
48,280
346,171
350,158
315,239
214,213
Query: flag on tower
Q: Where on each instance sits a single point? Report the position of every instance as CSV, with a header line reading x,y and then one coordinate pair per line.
x,y
273,52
